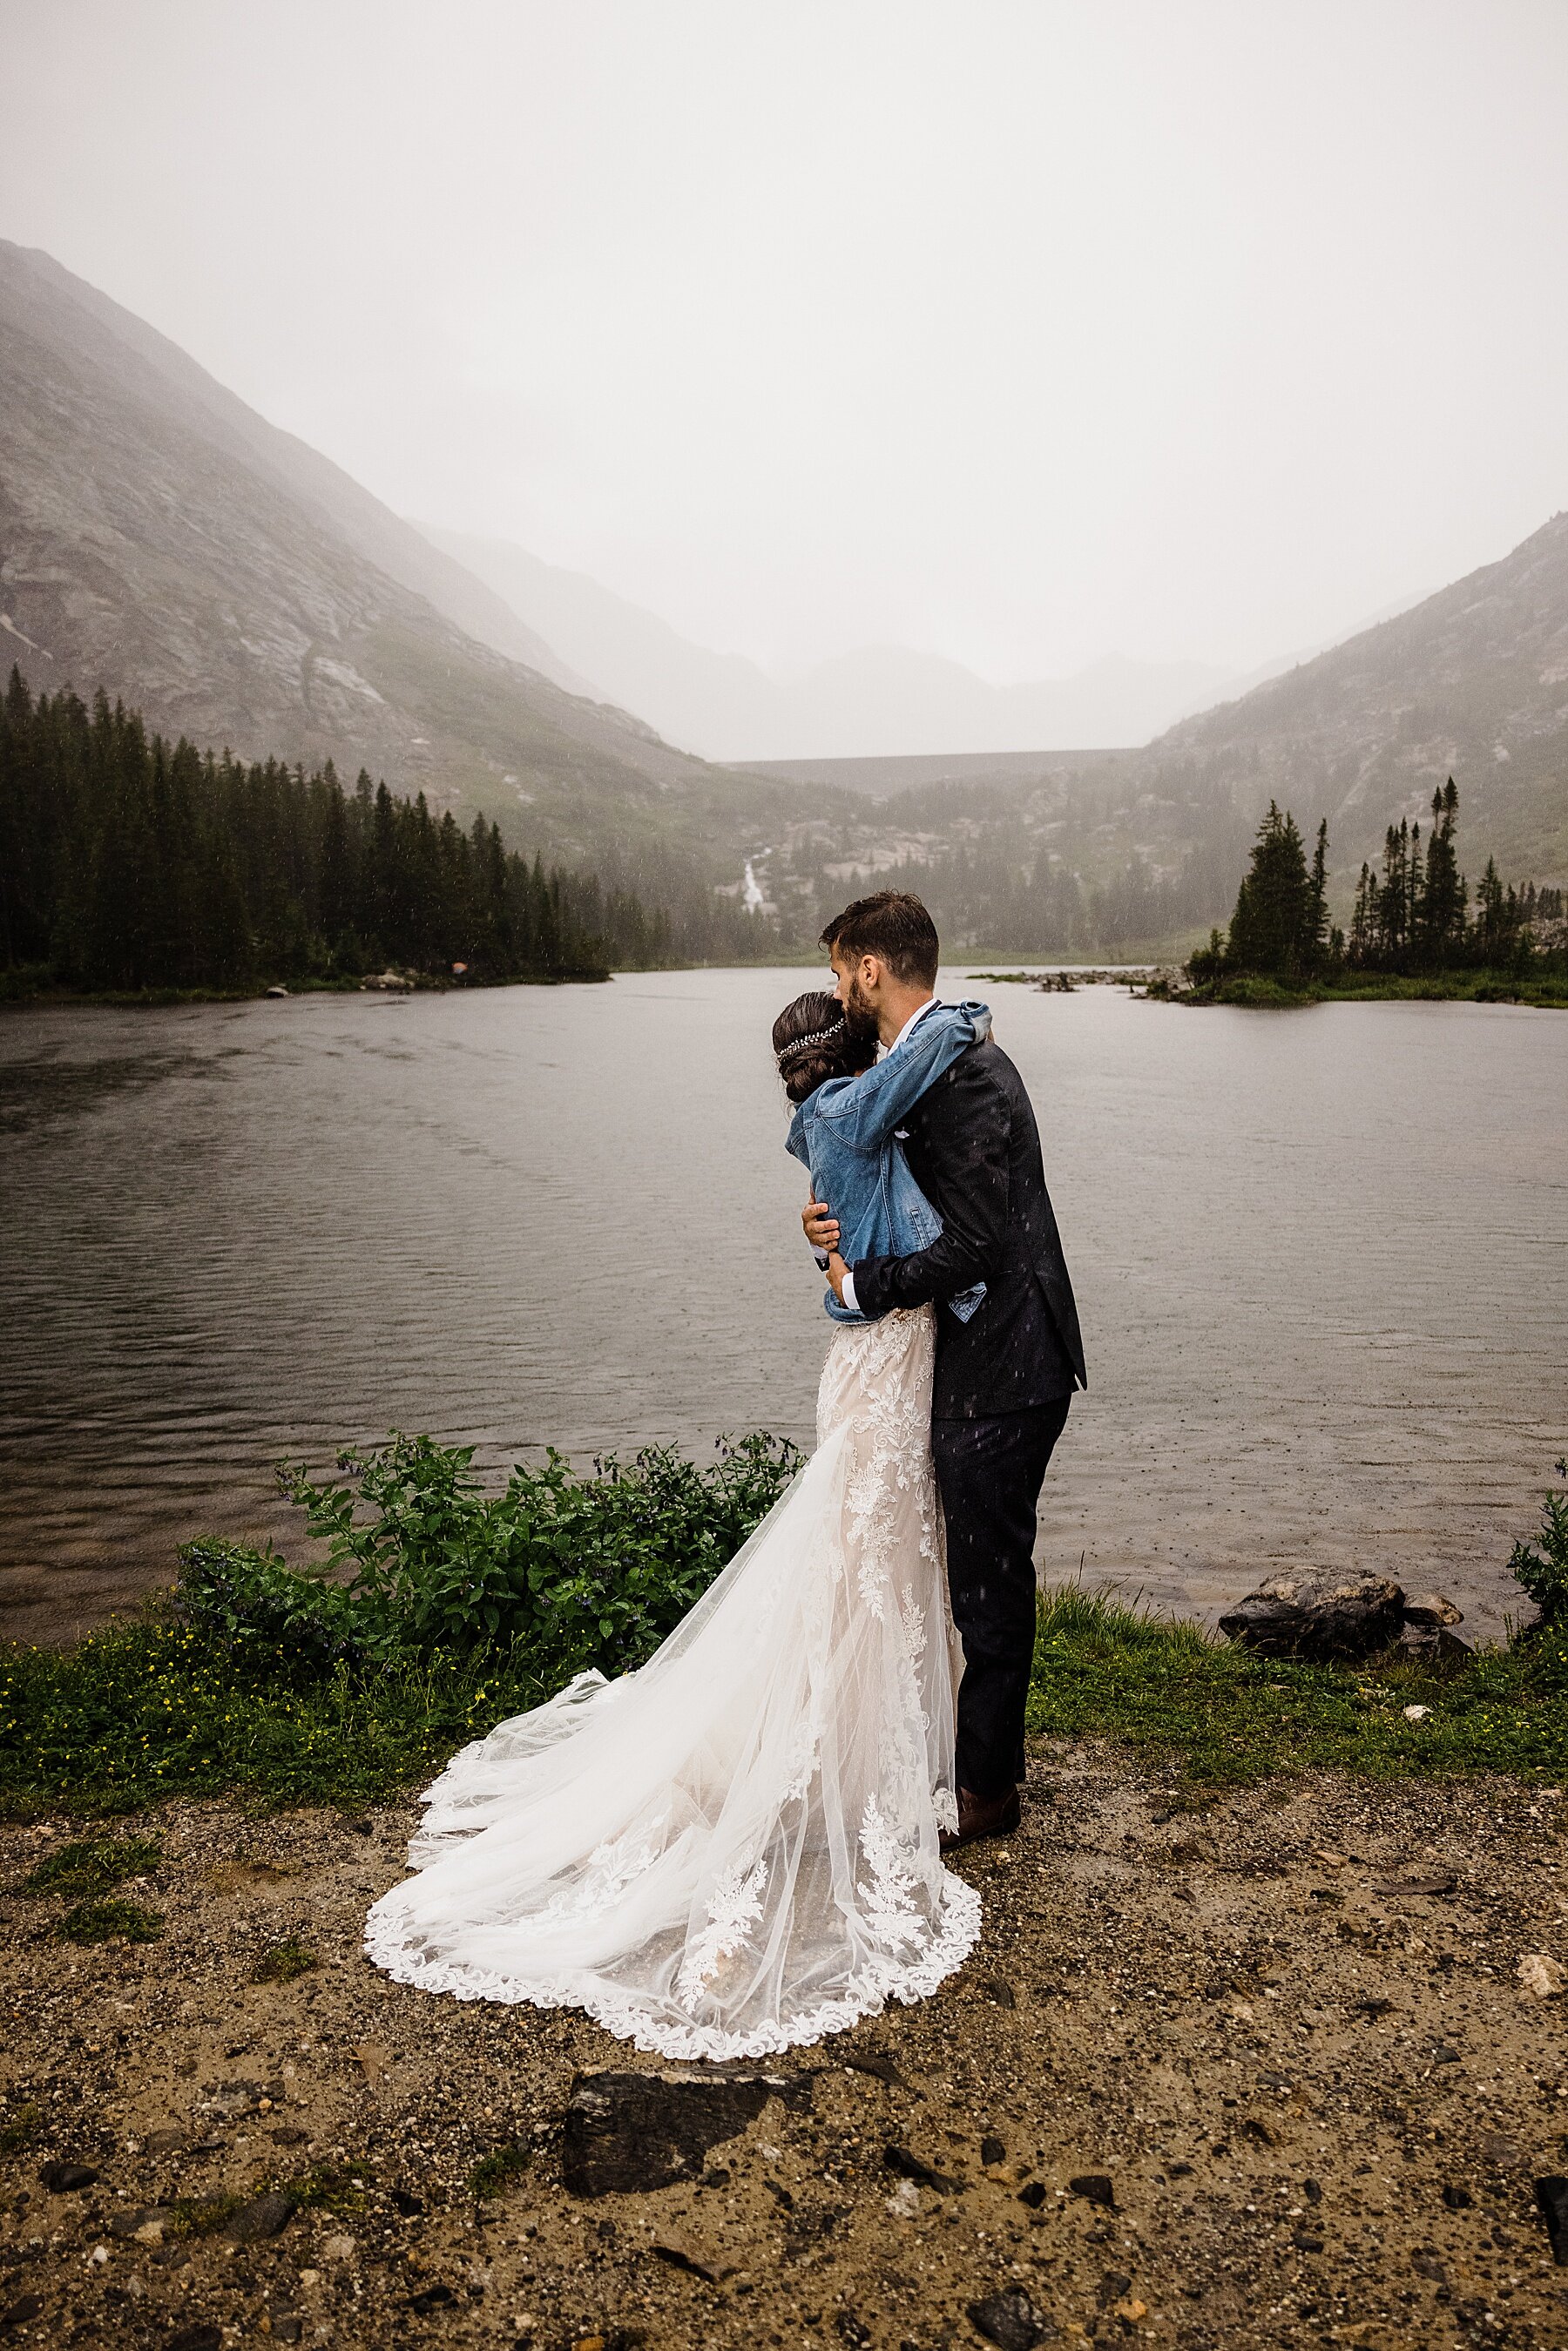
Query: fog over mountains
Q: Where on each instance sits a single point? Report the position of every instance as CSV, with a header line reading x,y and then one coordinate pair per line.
x,y
158,537
880,701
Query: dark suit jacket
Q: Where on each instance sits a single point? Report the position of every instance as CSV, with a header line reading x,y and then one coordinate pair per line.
x,y
974,1148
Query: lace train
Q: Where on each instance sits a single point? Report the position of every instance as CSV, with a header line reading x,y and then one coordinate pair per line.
x,y
734,1850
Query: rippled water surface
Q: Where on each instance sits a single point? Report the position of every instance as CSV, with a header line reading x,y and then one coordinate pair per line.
x,y
1322,1258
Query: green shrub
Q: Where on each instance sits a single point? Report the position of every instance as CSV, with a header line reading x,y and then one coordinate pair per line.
x,y
581,1570
111,1921
1542,1574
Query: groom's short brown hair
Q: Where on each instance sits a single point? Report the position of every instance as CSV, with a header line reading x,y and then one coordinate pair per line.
x,y
890,923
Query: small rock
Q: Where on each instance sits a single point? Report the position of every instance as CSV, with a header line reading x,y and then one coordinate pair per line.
x,y
1445,2057
910,2166
1415,1713
18,2314
1428,2265
263,2217
1110,2288
854,2331
1552,2195
1312,2190
903,2204
142,2216
409,2206
992,2151
997,1989
1095,2188
166,2142
1011,2321
64,2178
202,2336
1034,2194
1316,1616
431,2297
1432,1608
1542,1976
1305,2243
338,2248
681,2256
1501,2150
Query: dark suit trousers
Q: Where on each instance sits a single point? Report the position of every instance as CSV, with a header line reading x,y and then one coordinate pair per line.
x,y
989,1474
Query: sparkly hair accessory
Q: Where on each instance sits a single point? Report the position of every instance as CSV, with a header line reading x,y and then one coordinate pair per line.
x,y
797,1045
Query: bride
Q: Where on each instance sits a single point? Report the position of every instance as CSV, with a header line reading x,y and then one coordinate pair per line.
x,y
736,1848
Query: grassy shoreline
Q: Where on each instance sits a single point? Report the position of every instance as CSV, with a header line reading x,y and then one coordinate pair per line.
x,y
1549,993
147,1712
441,1608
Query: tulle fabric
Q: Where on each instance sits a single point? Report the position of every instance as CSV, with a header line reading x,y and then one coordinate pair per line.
x,y
733,1850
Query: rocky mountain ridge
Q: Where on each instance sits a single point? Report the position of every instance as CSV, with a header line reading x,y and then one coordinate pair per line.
x,y
160,539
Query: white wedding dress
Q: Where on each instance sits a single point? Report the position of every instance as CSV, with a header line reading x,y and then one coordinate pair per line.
x,y
734,1849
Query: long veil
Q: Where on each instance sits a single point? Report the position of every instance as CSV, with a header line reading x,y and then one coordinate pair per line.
x,y
734,1849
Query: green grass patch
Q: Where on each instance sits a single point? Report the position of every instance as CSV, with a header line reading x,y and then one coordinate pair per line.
x,y
284,1963
20,2127
496,2171
111,1921
1228,1719
93,1865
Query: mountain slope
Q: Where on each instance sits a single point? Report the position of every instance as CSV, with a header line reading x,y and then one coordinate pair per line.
x,y
1471,683
158,538
880,701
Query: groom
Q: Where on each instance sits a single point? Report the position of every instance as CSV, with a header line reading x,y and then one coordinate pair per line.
x,y
1005,1378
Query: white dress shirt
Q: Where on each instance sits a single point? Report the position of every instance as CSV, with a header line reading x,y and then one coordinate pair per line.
x,y
918,1015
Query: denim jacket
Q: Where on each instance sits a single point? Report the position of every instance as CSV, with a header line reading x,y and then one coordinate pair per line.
x,y
844,1133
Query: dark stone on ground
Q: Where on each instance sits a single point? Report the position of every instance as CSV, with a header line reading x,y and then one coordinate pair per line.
x,y
992,2151
433,2297
881,2069
681,2257
1428,2265
1011,2321
1311,2190
1094,2187
1110,2288
65,2179
1430,1610
406,2204
199,2338
1552,2195
263,2217
1316,1617
1456,2199
854,2331
125,2224
628,2132
909,2166
1034,2195
997,1989
18,2312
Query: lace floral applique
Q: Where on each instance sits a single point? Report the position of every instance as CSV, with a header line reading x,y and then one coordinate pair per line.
x,y
612,1867
735,1905
890,1913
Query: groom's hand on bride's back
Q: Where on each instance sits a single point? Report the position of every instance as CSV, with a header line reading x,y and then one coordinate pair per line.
x,y
822,1226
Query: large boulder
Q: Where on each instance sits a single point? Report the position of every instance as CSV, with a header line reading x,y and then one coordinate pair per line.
x,y
1318,1616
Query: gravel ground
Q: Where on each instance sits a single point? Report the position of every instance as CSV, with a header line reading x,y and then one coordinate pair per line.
x,y
1318,2100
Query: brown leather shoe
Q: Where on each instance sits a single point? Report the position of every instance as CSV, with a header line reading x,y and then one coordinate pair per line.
x,y
982,1816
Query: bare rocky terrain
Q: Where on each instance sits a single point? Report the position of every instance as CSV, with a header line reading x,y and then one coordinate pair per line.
x,y
1263,2074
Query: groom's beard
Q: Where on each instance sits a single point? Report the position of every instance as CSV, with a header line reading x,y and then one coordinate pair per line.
x,y
859,1018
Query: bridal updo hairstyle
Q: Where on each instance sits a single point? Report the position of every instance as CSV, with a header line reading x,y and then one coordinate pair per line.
x,y
813,1042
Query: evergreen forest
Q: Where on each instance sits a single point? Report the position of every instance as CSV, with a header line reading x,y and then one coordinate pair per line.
x,y
1412,919
127,865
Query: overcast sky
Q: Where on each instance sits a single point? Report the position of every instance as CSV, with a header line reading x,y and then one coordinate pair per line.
x,y
1024,333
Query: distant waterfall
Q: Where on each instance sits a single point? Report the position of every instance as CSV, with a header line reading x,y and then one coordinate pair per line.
x,y
752,897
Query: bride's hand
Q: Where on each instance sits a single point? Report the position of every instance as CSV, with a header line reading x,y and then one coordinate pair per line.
x,y
821,1225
